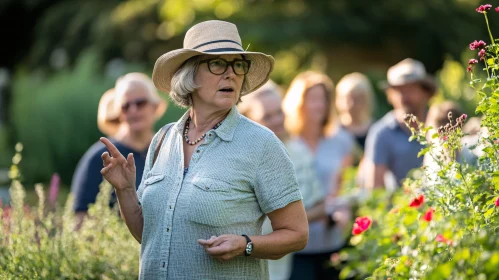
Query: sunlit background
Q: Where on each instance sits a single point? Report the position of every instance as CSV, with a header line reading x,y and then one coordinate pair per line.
x,y
59,56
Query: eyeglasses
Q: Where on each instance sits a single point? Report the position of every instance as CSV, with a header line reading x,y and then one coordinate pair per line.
x,y
139,104
218,66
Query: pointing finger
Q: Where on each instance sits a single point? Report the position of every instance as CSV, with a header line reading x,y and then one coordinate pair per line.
x,y
111,148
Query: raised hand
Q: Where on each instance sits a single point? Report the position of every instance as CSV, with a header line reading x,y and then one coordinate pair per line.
x,y
118,170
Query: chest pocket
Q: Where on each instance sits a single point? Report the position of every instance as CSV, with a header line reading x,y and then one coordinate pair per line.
x,y
212,202
154,195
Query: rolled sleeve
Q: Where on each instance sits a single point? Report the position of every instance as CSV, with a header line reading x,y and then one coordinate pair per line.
x,y
276,179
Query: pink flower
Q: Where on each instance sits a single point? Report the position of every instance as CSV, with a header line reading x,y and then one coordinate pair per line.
x,y
472,61
54,188
441,238
445,138
497,202
428,216
497,9
464,116
477,45
481,54
417,201
361,225
483,8
469,69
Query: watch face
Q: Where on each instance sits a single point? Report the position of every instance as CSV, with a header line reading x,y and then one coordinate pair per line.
x,y
249,248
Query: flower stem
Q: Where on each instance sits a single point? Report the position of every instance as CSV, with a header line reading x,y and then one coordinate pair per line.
x,y
488,28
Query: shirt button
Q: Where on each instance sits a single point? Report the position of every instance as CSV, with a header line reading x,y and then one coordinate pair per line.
x,y
198,151
171,207
209,134
167,229
207,188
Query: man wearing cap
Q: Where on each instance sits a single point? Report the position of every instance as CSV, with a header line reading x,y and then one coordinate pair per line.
x,y
388,150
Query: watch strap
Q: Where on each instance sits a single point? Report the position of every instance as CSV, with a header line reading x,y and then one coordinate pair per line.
x,y
248,240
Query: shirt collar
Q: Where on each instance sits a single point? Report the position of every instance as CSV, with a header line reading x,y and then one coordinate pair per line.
x,y
224,131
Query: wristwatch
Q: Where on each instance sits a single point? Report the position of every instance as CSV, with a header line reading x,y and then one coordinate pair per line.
x,y
249,246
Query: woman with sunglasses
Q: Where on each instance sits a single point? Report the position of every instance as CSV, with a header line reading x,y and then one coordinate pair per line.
x,y
127,114
199,209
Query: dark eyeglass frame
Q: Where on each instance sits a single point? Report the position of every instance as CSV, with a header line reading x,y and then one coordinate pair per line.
x,y
139,104
227,64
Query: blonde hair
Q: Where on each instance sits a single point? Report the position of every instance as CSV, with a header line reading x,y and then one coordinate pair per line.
x,y
357,83
295,98
248,101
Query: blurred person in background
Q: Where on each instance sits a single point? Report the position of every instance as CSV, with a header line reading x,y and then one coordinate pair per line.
x,y
311,121
127,114
354,102
264,107
388,150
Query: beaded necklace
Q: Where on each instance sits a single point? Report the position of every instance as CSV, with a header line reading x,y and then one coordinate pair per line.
x,y
186,131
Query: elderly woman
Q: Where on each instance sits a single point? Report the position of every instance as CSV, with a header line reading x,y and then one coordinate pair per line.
x,y
311,121
127,113
264,107
199,210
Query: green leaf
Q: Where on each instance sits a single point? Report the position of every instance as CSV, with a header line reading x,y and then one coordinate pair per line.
x,y
423,151
488,213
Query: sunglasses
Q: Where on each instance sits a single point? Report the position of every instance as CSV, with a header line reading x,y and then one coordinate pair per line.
x,y
139,104
218,66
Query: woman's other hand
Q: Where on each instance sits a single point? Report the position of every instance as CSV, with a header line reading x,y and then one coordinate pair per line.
x,y
118,170
224,247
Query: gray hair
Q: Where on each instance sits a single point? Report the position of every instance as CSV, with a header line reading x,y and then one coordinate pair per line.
x,y
183,85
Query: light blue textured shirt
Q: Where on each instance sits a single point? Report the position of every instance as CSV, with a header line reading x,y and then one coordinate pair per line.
x,y
238,174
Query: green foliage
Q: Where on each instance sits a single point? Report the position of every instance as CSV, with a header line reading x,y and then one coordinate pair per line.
x,y
460,240
43,243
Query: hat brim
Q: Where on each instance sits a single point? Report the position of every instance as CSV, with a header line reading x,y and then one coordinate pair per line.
x,y
168,64
428,82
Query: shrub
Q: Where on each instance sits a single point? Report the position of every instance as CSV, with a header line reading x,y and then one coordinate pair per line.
x,y
444,222
42,243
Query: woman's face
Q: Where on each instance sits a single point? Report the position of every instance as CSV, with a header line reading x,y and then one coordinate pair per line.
x,y
315,106
267,111
217,91
352,103
136,109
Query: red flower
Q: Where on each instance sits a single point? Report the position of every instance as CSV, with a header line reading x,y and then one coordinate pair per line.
x,y
497,9
472,61
361,225
477,45
417,202
428,216
469,69
445,138
441,238
483,8
497,202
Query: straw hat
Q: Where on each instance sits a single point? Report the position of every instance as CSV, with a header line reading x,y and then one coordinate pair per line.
x,y
108,114
212,37
409,71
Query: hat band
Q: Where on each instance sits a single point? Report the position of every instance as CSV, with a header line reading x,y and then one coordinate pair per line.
x,y
218,41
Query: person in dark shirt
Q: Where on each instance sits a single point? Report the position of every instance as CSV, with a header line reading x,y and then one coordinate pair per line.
x,y
127,114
